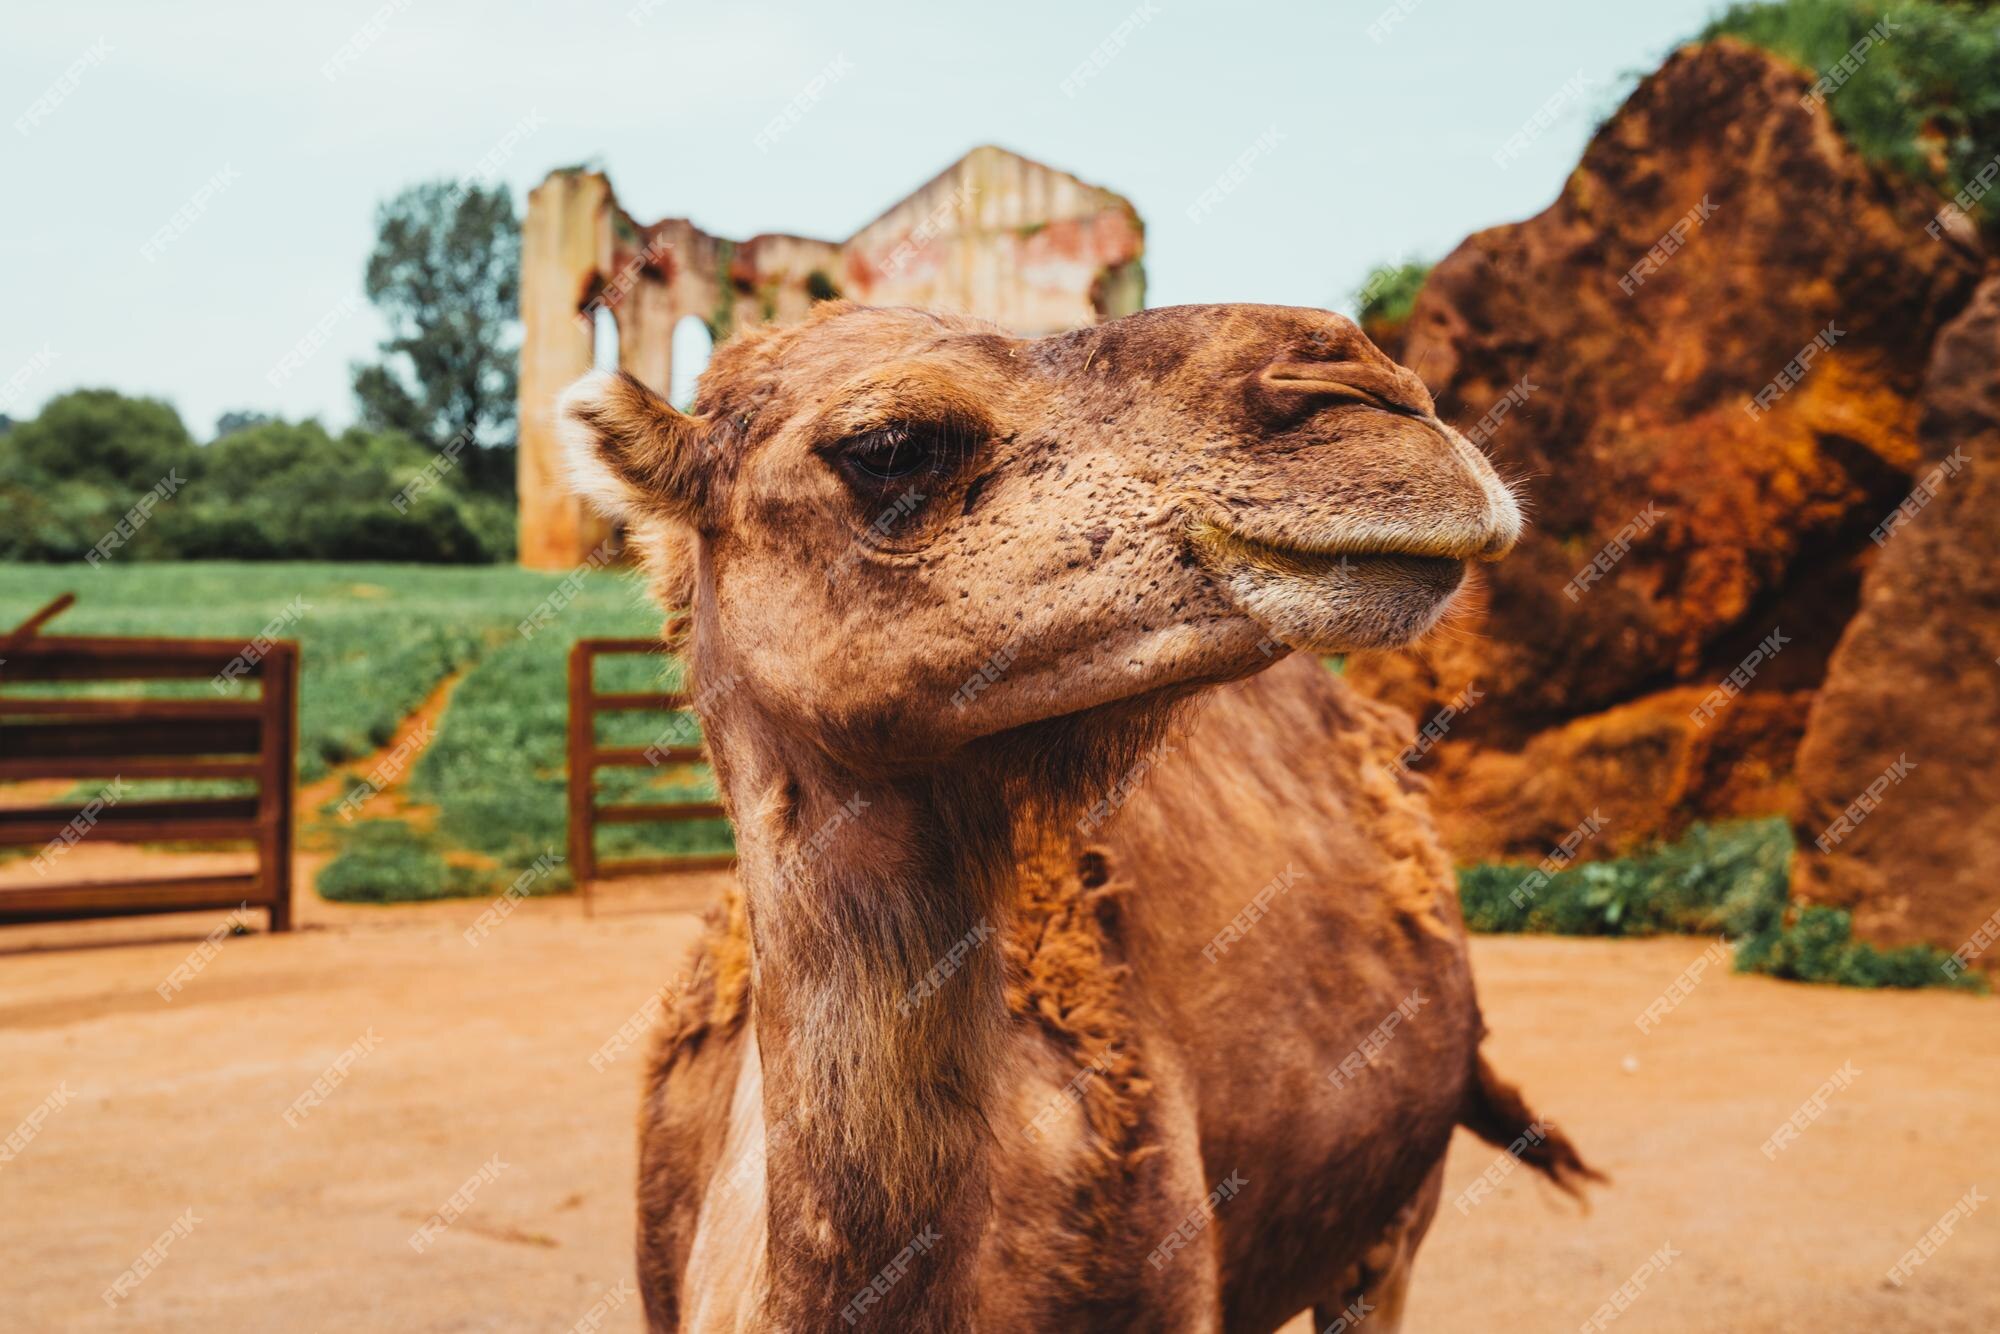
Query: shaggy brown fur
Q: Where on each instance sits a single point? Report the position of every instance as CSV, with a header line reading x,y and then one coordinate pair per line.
x,y
987,1073
1066,976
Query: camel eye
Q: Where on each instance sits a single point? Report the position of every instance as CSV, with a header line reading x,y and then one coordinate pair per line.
x,y
888,454
903,452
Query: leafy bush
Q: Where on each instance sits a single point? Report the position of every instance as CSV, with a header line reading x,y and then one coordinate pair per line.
x,y
389,861
1923,101
1714,880
1817,948
266,490
1728,879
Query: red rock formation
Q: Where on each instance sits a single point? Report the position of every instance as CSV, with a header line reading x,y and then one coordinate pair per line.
x,y
1714,230
1638,768
1916,679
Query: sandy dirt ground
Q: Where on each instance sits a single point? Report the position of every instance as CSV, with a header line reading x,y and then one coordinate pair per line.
x,y
470,1072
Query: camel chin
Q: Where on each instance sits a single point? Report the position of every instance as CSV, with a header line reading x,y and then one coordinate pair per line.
x,y
1326,603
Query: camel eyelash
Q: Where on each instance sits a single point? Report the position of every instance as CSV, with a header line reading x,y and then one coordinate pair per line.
x,y
899,452
888,453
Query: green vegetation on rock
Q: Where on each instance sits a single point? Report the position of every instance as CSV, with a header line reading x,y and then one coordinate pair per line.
x,y
1921,99
1389,291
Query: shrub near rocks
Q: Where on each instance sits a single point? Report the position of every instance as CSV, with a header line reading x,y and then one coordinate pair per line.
x,y
1728,880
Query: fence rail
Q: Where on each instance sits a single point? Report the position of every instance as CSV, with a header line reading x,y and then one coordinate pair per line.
x,y
46,737
586,757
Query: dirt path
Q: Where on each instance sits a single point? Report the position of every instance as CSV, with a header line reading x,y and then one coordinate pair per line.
x,y
378,782
472,1058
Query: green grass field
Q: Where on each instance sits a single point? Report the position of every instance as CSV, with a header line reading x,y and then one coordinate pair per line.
x,y
375,642
374,639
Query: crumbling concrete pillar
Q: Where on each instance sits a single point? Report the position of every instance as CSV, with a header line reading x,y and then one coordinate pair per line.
x,y
563,240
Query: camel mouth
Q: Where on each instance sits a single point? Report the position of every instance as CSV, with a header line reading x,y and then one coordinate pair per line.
x,y
1427,556
1333,600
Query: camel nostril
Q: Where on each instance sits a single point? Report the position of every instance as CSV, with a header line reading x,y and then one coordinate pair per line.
x,y
1312,384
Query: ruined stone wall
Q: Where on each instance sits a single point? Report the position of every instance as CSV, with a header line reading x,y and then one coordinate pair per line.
x,y
1009,240
994,235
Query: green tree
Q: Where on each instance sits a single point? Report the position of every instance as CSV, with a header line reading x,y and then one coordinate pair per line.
x,y
446,275
266,490
101,436
284,490
242,419
69,474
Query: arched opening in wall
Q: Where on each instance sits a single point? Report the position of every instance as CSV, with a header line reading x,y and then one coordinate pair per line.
x,y
692,345
596,313
603,337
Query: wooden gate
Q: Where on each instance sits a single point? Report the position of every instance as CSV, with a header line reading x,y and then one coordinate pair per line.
x,y
116,740
586,757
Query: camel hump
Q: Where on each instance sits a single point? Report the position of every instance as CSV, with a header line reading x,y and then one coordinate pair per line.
x,y
1495,1111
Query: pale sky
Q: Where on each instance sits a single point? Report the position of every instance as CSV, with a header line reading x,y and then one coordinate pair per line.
x,y
190,195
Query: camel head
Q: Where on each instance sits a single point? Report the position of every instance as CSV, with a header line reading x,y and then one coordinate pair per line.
x,y
910,531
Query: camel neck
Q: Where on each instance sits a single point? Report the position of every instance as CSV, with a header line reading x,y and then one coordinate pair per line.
x,y
879,1003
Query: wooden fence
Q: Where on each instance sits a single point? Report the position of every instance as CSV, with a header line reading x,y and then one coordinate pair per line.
x,y
586,757
124,739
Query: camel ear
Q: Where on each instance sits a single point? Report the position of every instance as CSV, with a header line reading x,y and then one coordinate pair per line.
x,y
630,451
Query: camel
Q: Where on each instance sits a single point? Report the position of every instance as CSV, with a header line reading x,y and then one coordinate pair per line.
x,y
1090,964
